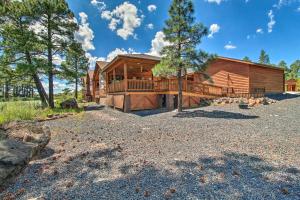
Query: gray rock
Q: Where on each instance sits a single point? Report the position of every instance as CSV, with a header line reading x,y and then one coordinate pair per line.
x,y
14,155
24,141
70,103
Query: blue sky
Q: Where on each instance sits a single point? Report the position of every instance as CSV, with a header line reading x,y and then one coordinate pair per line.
x,y
242,28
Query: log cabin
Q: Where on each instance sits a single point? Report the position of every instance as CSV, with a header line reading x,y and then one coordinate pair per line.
x,y
99,82
87,86
130,84
291,85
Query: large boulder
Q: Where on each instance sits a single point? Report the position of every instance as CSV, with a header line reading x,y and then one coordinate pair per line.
x,y
30,132
14,156
69,104
19,144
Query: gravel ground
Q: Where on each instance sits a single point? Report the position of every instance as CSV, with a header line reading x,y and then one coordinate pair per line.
x,y
217,152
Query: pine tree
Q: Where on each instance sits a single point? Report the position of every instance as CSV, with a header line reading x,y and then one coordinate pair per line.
x,y
183,35
246,58
294,70
57,27
264,57
19,45
75,66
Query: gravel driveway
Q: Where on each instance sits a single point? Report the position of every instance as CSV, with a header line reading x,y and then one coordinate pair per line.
x,y
217,152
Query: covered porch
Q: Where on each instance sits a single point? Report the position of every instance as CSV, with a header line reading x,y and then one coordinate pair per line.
x,y
130,75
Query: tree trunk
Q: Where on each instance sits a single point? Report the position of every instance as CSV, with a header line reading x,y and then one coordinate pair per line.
x,y
179,77
6,93
76,80
50,66
38,84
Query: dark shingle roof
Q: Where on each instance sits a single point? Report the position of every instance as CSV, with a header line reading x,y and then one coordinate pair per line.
x,y
143,56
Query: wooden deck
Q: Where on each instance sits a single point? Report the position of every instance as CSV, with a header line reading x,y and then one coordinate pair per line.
x,y
163,86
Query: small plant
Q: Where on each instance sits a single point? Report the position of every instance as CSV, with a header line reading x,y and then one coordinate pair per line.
x,y
243,105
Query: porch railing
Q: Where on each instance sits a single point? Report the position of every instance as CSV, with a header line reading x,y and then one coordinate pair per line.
x,y
140,85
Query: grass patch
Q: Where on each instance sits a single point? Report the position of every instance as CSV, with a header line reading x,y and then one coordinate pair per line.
x,y
28,110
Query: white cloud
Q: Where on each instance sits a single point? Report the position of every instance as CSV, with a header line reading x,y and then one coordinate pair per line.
x,y
57,59
118,51
215,1
214,28
152,8
93,59
150,26
124,19
158,43
298,9
272,22
230,46
85,34
260,31
98,4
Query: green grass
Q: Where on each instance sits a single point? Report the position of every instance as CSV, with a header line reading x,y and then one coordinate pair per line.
x,y
27,110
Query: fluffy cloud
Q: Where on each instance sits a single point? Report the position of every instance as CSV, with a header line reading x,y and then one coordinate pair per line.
x,y
260,31
152,8
272,22
150,26
214,1
124,19
98,4
117,52
230,46
158,43
214,28
93,59
85,34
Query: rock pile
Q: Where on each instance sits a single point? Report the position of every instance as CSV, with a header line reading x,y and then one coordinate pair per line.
x,y
20,143
251,102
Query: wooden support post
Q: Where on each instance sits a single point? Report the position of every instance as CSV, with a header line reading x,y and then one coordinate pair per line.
x,y
127,103
106,82
114,79
125,77
186,83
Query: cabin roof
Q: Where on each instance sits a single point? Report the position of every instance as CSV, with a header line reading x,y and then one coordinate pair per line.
x,y
291,81
137,56
155,58
250,63
101,64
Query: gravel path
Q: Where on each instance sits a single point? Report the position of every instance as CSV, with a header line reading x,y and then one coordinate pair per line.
x,y
217,152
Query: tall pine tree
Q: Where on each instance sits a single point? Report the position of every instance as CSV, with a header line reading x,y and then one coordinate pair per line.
x,y
55,27
75,66
183,35
18,44
264,57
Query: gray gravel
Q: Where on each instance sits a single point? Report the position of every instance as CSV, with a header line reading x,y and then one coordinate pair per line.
x,y
217,152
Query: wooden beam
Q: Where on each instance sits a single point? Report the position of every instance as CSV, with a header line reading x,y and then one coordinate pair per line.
x,y
114,78
125,77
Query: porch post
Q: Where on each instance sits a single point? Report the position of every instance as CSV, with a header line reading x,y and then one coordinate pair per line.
x,y
114,79
106,83
125,77
186,83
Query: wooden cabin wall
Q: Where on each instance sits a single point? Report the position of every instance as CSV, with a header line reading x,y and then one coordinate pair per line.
x,y
270,79
190,102
144,101
227,74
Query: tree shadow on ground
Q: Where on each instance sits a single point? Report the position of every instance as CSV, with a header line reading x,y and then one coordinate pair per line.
x,y
230,176
94,107
213,114
146,113
281,97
